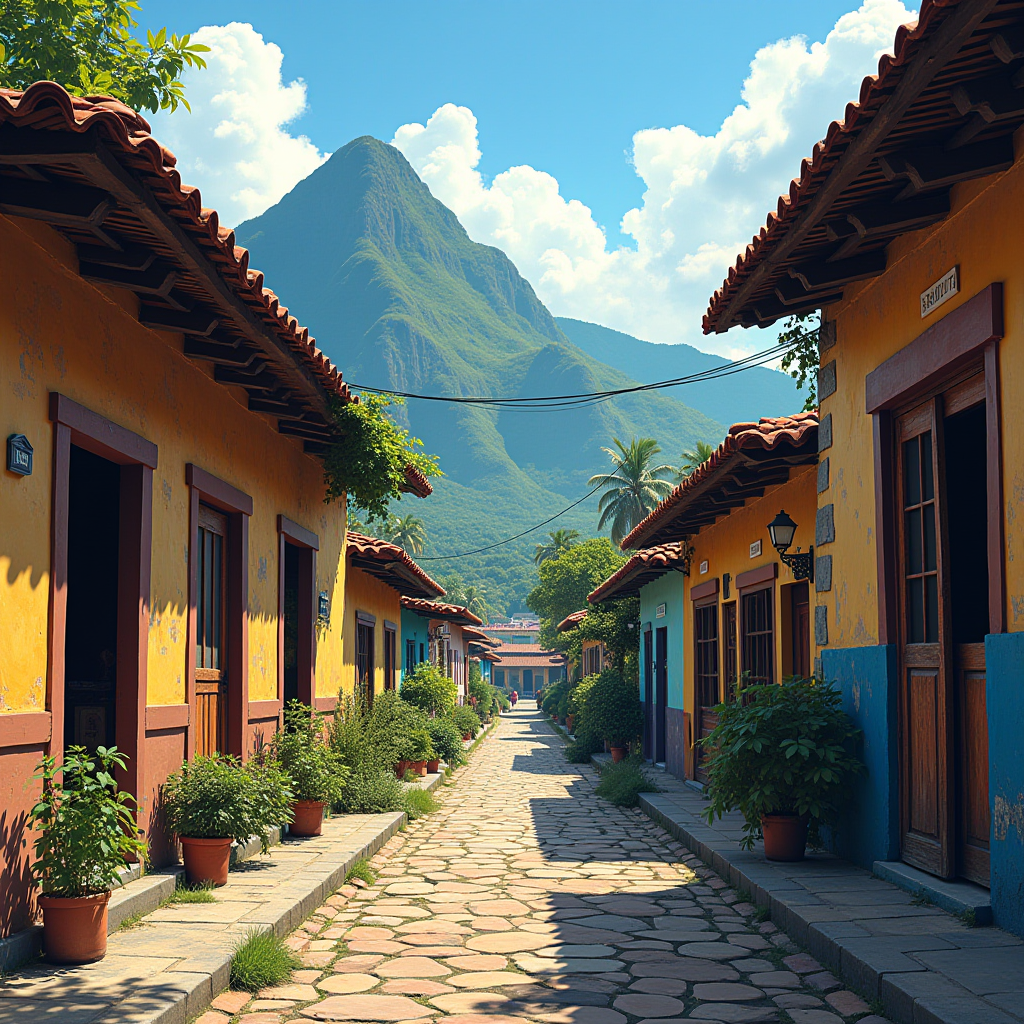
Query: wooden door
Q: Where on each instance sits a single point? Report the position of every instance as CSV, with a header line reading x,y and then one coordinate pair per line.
x,y
730,661
973,817
649,694
926,676
661,695
800,629
211,667
706,679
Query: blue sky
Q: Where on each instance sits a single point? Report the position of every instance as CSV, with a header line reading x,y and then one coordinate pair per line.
x,y
541,124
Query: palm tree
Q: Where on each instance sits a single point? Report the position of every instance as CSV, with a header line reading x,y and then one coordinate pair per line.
x,y
702,451
473,599
408,533
558,541
633,489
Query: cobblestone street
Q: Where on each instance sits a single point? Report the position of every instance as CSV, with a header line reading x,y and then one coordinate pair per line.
x,y
528,897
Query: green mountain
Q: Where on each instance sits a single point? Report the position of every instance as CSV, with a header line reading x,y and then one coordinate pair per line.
x,y
740,396
400,297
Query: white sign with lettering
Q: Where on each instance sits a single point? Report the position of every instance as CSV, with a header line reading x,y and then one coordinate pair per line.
x,y
703,567
755,549
942,291
659,612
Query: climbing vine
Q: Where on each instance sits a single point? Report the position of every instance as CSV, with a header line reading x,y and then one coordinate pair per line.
x,y
801,361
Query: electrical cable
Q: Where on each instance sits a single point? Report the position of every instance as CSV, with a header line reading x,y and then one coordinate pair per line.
x,y
508,540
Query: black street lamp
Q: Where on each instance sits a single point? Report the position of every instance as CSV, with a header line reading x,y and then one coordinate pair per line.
x,y
782,530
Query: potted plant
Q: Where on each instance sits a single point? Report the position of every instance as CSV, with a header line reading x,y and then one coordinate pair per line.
x,y
214,802
466,721
446,740
316,772
86,832
782,756
417,751
614,712
429,689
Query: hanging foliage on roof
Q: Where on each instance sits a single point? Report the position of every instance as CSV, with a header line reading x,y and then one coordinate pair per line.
x,y
801,361
368,457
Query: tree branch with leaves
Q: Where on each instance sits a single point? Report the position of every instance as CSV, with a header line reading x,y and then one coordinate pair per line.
x,y
802,360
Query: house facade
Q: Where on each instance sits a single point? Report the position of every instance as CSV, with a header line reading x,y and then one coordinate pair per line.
x,y
903,228
444,628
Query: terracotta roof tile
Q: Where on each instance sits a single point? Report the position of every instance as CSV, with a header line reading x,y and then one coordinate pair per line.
x,y
549,660
524,649
391,564
795,434
416,483
643,567
437,610
572,620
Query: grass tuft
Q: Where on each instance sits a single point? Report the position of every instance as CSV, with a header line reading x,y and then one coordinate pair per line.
x,y
200,892
362,870
622,783
261,959
762,914
418,802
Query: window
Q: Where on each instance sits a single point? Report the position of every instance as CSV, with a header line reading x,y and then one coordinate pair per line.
x,y
389,658
364,658
758,635
729,631
921,569
705,631
410,655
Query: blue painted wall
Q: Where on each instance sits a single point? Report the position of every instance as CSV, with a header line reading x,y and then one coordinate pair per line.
x,y
667,590
1004,695
414,628
867,677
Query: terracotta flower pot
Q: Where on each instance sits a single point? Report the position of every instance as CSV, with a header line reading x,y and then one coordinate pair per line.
x,y
785,836
309,818
74,929
433,766
570,721
618,754
466,737
419,767
206,860
400,769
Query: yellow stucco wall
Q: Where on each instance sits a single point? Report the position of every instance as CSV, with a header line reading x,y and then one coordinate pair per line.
x,y
726,547
58,333
365,593
878,318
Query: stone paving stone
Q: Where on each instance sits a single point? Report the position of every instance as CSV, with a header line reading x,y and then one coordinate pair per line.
x,y
660,986
725,991
360,1007
412,967
414,987
231,1002
212,1017
345,984
846,1003
299,993
477,962
642,1004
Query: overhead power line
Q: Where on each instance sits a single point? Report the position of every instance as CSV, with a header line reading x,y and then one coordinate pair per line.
x,y
592,397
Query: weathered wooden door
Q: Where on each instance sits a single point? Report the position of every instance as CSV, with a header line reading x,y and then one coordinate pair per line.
x,y
926,670
800,629
211,666
973,814
706,678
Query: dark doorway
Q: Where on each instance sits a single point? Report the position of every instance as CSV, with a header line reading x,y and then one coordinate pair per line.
x,y
648,694
661,683
291,622
527,682
800,629
94,497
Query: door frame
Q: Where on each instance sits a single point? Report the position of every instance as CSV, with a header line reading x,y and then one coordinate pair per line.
x,y
237,506
648,658
660,745
74,424
307,544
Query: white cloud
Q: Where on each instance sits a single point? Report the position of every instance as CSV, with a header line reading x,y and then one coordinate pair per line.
x,y
234,145
705,195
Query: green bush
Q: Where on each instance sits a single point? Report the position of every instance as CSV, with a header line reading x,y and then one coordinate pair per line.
x,y
417,746
578,697
390,727
219,798
371,790
503,702
613,711
417,802
85,823
781,750
447,741
563,705
316,771
466,721
486,698
261,959
582,748
553,696
431,691
622,783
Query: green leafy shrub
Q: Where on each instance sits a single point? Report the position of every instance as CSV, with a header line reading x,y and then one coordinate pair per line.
x,y
563,705
316,771
430,690
582,748
781,750
219,798
553,696
389,728
622,783
260,960
447,741
499,696
466,721
371,789
417,802
578,697
613,711
417,746
486,698
85,823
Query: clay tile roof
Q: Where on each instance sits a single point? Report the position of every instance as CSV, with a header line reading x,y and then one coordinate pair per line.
x,y
643,567
550,659
446,612
390,564
477,636
752,456
572,620
526,650
416,483
100,145
907,117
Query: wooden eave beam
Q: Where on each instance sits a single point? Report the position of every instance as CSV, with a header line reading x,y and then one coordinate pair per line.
x,y
943,45
935,167
197,321
157,279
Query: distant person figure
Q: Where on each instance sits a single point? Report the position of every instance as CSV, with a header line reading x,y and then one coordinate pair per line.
x,y
514,698
540,699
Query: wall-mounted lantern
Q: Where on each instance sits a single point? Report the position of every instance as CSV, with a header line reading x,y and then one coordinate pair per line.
x,y
782,530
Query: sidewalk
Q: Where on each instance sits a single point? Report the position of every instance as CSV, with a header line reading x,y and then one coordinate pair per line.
x,y
923,965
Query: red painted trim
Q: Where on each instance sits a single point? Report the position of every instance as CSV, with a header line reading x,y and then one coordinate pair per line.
x,y
58,611
217,492
261,710
762,574
167,716
325,703
994,455
100,436
193,603
709,588
885,527
297,534
938,351
25,729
